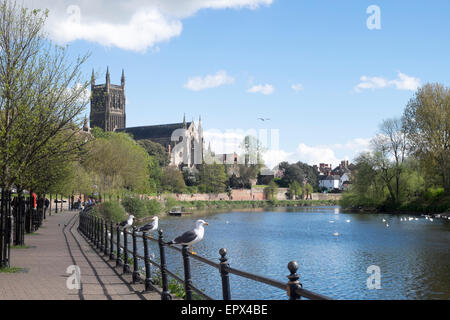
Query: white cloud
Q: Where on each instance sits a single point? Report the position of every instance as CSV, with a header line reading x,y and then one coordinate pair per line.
x,y
316,154
130,25
403,82
211,81
272,158
266,89
230,141
297,87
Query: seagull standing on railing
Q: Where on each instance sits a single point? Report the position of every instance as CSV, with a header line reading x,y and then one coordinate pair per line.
x,y
127,223
151,226
191,237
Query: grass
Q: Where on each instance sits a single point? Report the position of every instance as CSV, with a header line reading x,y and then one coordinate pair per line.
x,y
10,270
225,204
24,246
175,287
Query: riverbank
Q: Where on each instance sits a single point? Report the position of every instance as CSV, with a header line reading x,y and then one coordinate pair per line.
x,y
420,206
224,204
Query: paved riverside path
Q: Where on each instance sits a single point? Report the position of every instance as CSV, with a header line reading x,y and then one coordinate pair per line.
x,y
56,246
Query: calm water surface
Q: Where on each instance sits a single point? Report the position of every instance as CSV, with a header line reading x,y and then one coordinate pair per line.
x,y
414,256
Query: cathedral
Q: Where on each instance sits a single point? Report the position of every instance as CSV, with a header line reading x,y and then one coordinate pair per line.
x,y
184,141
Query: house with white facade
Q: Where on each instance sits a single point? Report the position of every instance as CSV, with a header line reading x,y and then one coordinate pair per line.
x,y
330,182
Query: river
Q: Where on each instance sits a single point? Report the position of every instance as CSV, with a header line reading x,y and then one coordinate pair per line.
x,y
334,251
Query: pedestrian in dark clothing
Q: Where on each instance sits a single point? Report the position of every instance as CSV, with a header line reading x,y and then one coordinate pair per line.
x,y
46,205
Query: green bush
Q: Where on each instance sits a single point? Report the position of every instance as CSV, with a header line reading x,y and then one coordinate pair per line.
x,y
153,207
110,211
434,194
135,206
171,202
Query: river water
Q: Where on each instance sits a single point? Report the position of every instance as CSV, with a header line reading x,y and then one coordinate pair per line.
x,y
334,251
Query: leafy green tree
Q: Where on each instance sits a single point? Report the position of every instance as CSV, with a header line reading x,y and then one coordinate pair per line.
x,y
172,180
212,178
295,190
427,125
156,173
271,190
42,95
135,206
116,161
307,190
110,211
157,151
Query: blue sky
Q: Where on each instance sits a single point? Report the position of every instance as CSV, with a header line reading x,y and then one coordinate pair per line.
x,y
323,47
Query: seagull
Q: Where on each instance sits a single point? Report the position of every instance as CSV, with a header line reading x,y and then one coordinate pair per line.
x,y
151,226
191,237
336,234
431,219
384,220
331,221
348,220
127,223
387,225
264,119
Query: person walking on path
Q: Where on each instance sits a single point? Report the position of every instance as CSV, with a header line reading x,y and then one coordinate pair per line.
x,y
46,205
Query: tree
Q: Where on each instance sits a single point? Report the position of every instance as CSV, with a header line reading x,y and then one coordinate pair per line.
x,y
295,190
392,143
157,151
253,151
116,161
271,190
212,178
427,125
172,180
307,190
42,94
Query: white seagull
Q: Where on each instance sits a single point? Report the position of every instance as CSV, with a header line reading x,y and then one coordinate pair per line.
x,y
151,226
191,237
127,223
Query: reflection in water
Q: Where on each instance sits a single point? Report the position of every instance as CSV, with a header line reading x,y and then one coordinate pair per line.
x,y
333,257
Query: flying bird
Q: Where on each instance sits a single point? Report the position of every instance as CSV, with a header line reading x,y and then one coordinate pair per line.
x,y
191,237
151,226
264,119
127,223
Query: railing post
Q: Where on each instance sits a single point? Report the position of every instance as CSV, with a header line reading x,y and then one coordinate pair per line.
x,y
148,273
135,259
293,283
91,228
118,257
102,237
187,273
97,232
224,274
111,247
106,238
165,284
94,226
126,266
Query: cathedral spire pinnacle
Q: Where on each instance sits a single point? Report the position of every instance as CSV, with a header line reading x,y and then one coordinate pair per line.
x,y
184,121
123,78
92,78
108,80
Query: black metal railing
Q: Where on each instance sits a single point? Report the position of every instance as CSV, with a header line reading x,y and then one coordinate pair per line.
x,y
18,215
96,229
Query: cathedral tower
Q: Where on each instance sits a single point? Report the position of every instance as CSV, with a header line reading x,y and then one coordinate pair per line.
x,y
108,104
